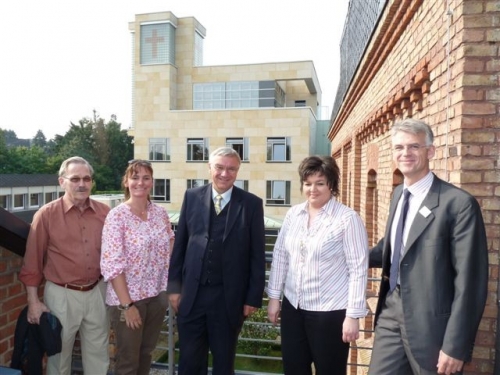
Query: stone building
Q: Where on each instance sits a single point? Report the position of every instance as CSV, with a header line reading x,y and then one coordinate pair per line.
x,y
437,61
183,110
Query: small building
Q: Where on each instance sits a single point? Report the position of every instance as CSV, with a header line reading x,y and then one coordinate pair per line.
x,y
24,194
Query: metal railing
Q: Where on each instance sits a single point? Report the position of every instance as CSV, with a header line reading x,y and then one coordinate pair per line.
x,y
170,333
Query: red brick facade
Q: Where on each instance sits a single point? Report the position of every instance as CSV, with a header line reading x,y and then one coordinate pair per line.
x,y
437,61
12,301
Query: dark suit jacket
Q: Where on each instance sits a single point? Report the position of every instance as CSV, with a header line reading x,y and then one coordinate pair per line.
x,y
243,269
443,273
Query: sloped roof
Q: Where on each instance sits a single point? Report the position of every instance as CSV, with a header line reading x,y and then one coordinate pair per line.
x,y
20,180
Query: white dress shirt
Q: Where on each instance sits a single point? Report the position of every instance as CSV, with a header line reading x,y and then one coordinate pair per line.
x,y
418,192
323,267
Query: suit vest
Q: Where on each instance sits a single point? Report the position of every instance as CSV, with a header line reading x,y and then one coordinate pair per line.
x,y
211,273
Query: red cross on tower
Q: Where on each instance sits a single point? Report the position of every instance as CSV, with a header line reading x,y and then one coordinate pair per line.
x,y
155,40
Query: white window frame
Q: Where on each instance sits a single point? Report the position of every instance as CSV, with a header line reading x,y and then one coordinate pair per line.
x,y
274,188
196,182
156,195
242,146
199,142
273,151
159,146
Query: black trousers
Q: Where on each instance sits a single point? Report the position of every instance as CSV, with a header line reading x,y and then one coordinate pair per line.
x,y
312,337
207,327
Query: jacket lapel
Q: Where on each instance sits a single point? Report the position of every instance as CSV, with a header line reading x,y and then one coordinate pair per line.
x,y
392,211
206,201
235,206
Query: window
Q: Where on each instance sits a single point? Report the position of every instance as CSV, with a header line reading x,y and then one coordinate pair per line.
x,y
240,145
278,149
159,149
35,199
242,184
197,149
19,201
209,95
278,193
196,183
157,43
49,197
238,94
300,103
198,49
161,190
4,201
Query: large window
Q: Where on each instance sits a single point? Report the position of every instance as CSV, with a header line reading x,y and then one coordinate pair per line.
x,y
240,145
278,149
209,95
242,184
161,190
278,193
238,94
197,149
157,43
159,149
196,183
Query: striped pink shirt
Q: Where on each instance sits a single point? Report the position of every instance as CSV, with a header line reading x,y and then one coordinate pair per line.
x,y
324,267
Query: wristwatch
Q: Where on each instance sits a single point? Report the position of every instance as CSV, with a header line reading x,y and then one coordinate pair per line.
x,y
126,307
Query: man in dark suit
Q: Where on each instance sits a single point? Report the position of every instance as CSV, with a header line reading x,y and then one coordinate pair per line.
x,y
217,271
431,305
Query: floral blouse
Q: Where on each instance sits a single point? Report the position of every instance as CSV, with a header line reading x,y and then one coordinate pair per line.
x,y
139,249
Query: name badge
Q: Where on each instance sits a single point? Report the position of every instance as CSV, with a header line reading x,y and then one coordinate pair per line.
x,y
424,211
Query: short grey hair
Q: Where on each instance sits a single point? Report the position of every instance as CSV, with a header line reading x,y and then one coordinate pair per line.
x,y
413,126
224,151
74,160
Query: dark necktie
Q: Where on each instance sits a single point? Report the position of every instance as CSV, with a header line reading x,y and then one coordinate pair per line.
x,y
398,242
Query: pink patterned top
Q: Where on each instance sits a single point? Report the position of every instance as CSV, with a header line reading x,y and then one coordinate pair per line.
x,y
139,249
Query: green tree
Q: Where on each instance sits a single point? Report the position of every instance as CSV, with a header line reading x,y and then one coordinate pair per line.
x,y
39,140
27,160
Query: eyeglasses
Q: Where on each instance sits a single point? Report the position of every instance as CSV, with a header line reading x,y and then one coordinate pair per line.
x,y
219,168
77,180
415,147
139,161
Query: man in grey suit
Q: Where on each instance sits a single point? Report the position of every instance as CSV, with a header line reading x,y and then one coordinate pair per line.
x,y
217,271
431,305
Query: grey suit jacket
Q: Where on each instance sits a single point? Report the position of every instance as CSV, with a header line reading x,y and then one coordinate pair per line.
x,y
443,273
243,269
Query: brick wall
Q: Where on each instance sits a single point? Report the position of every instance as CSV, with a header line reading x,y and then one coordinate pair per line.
x,y
12,301
442,67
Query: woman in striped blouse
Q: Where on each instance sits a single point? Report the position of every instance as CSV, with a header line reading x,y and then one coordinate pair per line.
x,y
319,269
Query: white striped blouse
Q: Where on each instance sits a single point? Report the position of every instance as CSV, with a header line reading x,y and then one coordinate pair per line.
x,y
324,267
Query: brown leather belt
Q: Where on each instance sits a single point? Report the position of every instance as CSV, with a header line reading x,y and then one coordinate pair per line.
x,y
81,288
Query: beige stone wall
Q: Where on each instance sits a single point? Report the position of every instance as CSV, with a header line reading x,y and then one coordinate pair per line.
x,y
218,125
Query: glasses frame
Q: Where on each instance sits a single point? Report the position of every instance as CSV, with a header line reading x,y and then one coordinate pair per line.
x,y
412,148
77,180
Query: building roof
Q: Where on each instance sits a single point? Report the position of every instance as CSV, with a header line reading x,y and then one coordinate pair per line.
x,y
20,180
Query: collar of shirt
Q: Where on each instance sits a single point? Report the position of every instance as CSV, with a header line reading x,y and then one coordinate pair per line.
x,y
421,187
68,205
328,207
226,196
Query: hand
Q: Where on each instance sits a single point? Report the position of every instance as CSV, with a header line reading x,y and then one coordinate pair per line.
x,y
132,317
175,300
35,311
248,310
350,329
273,310
448,365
